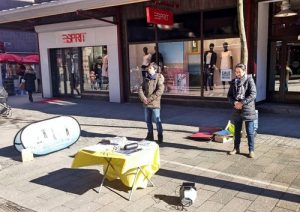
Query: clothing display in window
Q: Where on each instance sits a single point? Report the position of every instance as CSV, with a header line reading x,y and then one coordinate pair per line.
x,y
210,59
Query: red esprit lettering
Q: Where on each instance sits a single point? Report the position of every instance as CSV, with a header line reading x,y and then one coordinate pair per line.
x,y
74,37
161,16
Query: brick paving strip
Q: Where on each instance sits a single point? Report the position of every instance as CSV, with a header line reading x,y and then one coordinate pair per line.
x,y
9,206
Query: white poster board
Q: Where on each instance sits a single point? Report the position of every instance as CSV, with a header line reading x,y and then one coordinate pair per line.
x,y
226,74
47,136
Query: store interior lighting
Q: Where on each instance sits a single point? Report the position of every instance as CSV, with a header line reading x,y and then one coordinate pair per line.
x,y
285,10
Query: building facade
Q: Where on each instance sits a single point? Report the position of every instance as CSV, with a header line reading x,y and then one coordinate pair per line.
x,y
100,52
16,41
277,45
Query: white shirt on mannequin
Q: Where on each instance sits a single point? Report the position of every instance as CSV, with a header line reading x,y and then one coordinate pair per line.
x,y
146,59
226,60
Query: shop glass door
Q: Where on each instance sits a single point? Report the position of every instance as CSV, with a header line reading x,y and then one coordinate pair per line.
x,y
65,71
292,80
284,71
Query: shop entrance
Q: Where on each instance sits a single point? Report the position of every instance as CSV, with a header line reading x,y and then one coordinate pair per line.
x,y
284,71
78,71
66,77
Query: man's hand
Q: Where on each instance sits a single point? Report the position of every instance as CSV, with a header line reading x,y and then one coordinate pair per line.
x,y
238,105
145,101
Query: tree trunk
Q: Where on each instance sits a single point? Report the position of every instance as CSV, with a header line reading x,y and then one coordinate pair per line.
x,y
242,32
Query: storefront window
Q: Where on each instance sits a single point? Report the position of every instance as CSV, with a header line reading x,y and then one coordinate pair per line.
x,y
219,63
290,67
180,49
77,70
95,68
292,83
275,66
180,63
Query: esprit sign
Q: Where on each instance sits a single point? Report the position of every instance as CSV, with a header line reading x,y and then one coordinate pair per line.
x,y
74,37
159,16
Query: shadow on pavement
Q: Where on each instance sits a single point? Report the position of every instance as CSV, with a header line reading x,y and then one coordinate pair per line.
x,y
100,135
184,146
78,181
87,134
172,201
126,127
230,185
10,152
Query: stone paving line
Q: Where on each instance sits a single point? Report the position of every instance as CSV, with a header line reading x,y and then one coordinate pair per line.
x,y
270,182
246,179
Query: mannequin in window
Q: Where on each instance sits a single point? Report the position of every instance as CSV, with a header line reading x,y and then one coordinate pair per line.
x,y
288,74
226,62
105,69
146,61
160,61
75,82
210,59
98,73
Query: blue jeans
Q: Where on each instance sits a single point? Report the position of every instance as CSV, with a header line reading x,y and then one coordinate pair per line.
x,y
250,133
153,114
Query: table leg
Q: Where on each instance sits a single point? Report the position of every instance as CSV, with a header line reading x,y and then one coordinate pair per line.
x,y
147,177
137,171
102,181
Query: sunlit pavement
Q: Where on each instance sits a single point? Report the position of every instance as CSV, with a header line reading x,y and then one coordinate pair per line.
x,y
270,182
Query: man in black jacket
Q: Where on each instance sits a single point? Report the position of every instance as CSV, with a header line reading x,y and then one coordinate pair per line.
x,y
242,94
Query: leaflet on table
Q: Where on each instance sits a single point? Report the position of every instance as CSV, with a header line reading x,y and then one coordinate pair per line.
x,y
117,145
100,147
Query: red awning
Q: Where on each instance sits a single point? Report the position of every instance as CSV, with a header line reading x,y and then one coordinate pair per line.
x,y
10,58
34,58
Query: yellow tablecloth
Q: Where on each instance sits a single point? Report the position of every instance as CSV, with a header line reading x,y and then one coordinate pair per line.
x,y
124,166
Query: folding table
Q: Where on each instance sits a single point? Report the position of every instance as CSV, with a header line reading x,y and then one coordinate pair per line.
x,y
133,167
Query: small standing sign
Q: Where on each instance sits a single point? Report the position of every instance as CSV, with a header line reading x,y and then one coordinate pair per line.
x,y
226,74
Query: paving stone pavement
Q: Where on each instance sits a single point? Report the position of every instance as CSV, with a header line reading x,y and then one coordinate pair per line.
x,y
270,182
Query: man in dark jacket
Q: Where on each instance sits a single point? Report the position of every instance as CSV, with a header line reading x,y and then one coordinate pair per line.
x,y
150,93
242,94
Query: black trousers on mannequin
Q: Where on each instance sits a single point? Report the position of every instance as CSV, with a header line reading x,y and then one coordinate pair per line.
x,y
208,77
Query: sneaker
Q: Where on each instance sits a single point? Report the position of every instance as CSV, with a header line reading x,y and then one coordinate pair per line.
x,y
234,151
251,154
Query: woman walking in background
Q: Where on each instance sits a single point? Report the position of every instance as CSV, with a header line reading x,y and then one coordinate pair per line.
x,y
29,78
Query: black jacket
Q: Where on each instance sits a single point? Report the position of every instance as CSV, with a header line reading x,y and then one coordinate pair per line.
x,y
213,59
248,111
29,78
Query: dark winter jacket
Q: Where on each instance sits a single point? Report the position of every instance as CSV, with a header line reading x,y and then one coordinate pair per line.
x,y
152,89
29,78
248,98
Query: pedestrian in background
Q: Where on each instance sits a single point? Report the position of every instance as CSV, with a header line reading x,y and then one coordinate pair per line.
x,y
29,78
150,93
242,94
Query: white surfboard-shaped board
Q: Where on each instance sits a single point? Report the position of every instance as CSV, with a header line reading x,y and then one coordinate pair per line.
x,y
47,136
